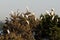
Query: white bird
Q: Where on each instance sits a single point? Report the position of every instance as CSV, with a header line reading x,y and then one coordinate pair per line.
x,y
47,12
57,20
33,13
12,12
52,11
22,15
41,18
29,14
26,16
35,18
53,17
8,31
27,22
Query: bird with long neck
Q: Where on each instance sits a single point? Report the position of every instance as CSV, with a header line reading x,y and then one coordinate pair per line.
x,y
47,12
52,12
8,31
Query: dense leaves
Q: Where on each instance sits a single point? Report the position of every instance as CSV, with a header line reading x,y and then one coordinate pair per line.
x,y
49,27
25,26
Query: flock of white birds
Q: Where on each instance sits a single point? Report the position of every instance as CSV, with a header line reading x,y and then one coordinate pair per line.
x,y
22,14
49,13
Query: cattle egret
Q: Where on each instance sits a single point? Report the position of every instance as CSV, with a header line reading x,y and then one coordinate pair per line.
x,y
35,18
8,31
52,11
41,18
33,13
12,12
47,12
26,16
27,22
53,17
22,15
29,14
57,20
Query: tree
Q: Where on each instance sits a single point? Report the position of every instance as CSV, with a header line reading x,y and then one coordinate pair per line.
x,y
25,26
17,27
48,27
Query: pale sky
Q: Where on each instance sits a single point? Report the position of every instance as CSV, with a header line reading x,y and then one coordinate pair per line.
x,y
38,6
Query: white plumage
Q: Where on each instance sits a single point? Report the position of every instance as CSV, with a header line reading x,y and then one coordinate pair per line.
x,y
48,12
35,18
33,13
52,11
12,12
41,18
29,14
22,15
27,22
26,16
57,20
53,17
8,31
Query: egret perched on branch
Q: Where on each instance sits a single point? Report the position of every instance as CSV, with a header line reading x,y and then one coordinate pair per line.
x,y
52,11
22,15
12,12
27,22
48,12
31,14
57,20
8,31
53,17
35,18
26,16
41,18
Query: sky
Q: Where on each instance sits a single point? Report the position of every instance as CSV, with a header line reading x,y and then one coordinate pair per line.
x,y
37,6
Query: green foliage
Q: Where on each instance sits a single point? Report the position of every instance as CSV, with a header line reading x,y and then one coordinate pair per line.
x,y
20,26
25,26
49,27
